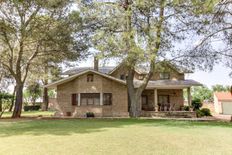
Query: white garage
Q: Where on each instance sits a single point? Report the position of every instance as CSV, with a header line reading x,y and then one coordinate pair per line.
x,y
223,103
227,108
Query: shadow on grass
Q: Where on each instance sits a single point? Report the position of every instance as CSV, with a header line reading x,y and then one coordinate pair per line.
x,y
71,126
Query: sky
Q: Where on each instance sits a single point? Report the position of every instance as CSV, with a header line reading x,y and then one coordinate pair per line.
x,y
219,75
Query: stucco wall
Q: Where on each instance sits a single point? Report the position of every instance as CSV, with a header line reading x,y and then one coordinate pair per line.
x,y
217,105
100,84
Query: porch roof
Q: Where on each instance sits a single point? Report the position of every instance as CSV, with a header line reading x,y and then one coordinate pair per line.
x,y
166,84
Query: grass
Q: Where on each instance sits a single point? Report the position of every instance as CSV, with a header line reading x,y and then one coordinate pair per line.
x,y
114,136
30,113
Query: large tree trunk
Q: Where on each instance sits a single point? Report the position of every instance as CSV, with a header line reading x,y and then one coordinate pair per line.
x,y
13,100
18,101
135,108
134,95
45,91
45,99
0,105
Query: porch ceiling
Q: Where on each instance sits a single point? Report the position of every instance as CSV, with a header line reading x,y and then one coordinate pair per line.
x,y
169,84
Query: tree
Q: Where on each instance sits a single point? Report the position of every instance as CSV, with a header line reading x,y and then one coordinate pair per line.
x,y
47,67
34,91
144,33
26,27
5,103
215,32
202,93
220,88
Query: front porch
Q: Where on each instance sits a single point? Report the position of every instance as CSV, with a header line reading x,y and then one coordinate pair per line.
x,y
164,99
165,102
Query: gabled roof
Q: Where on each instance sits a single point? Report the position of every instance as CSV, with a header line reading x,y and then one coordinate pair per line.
x,y
139,69
105,70
223,96
70,78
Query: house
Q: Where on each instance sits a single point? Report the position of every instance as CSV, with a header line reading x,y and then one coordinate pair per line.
x,y
223,102
103,91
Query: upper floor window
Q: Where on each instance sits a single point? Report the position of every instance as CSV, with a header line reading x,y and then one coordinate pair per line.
x,y
90,78
141,77
122,77
164,76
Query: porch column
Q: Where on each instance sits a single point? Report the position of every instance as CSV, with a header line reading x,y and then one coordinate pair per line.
x,y
189,96
79,100
155,100
101,98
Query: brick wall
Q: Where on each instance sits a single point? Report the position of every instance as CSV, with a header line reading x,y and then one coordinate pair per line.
x,y
100,84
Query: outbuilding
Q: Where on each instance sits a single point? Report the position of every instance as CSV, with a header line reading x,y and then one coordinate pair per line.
x,y
223,102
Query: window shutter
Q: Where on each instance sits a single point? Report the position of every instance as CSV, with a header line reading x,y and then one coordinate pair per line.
x,y
74,99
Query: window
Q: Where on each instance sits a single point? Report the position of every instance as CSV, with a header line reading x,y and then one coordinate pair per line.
x,y
141,77
90,99
122,77
74,99
144,99
164,76
90,78
107,99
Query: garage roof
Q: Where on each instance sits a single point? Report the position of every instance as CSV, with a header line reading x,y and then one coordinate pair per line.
x,y
224,96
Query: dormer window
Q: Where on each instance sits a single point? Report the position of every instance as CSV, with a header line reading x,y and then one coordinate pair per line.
x,y
122,77
164,76
90,78
141,77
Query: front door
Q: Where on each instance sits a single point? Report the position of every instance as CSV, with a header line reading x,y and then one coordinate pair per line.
x,y
163,100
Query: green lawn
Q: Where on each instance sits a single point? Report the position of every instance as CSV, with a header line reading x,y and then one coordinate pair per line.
x,y
31,113
114,136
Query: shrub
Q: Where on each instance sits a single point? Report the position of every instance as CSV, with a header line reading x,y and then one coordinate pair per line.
x,y
203,112
89,114
186,108
196,104
199,113
206,112
31,108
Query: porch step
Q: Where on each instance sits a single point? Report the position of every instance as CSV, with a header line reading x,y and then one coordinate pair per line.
x,y
173,114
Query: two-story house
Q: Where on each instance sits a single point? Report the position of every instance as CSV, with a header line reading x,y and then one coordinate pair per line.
x,y
103,91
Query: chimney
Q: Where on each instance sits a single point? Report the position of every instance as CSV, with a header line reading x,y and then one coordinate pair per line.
x,y
95,67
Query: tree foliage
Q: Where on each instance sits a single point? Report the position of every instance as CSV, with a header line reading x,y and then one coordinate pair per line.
x,y
147,33
220,88
33,92
202,93
5,102
215,31
30,30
